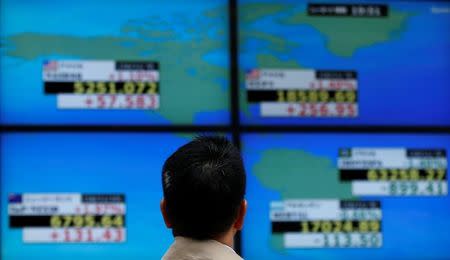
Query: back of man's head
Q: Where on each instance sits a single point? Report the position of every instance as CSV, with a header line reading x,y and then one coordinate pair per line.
x,y
204,186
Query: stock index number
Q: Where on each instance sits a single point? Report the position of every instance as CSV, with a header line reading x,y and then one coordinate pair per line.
x,y
59,221
315,96
128,88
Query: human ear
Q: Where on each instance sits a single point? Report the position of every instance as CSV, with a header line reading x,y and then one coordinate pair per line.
x,y
162,206
239,223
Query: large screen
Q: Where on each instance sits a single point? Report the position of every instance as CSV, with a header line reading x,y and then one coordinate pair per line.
x,y
344,62
346,196
114,62
83,196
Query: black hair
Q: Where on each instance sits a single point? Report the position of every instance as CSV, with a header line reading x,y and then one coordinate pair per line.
x,y
203,185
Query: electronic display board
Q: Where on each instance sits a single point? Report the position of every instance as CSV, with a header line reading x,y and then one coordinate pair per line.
x,y
370,63
84,195
346,196
114,63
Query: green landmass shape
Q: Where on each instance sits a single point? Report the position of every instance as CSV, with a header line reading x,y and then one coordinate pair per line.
x,y
274,43
269,61
250,12
346,35
296,174
189,84
160,34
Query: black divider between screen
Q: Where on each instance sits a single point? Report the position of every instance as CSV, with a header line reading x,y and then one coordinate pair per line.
x,y
233,19
117,128
235,130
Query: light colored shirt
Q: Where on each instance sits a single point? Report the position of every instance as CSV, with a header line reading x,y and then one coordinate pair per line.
x,y
189,249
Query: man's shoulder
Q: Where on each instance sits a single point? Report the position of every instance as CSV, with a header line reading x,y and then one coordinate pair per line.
x,y
190,249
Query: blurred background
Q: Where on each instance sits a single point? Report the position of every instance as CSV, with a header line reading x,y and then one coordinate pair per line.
x,y
340,109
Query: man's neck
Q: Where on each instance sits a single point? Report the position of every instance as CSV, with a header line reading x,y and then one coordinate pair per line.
x,y
227,238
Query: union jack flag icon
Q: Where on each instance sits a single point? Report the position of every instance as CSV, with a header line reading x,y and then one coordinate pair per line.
x,y
14,198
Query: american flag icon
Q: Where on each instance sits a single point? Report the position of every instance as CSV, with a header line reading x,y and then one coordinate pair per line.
x,y
50,65
252,74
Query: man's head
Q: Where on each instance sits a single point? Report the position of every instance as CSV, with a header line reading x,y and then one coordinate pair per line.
x,y
204,186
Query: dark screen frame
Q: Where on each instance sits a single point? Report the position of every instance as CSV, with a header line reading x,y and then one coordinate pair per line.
x,y
235,128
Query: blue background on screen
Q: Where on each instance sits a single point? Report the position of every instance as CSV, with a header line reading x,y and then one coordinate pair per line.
x,y
22,98
90,163
403,80
413,227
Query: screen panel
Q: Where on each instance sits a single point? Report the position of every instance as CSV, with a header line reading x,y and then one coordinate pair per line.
x,y
113,62
57,187
344,62
346,196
